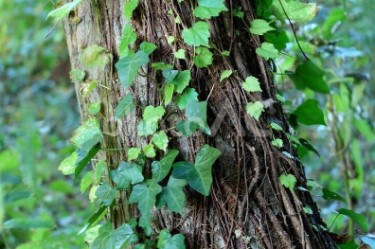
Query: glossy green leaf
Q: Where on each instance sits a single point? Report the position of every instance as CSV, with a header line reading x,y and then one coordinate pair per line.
x,y
129,7
225,74
296,10
267,51
309,113
173,195
125,106
190,94
260,26
199,176
357,218
196,114
203,57
330,195
311,76
64,10
160,140
126,174
129,66
106,194
255,109
122,237
197,35
181,81
167,241
160,169
288,181
133,153
251,84
209,8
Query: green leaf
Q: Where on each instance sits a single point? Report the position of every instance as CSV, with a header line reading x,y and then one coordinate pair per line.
x,y
69,164
160,140
278,38
297,11
225,74
309,113
251,84
87,135
357,218
146,128
77,75
330,195
276,127
311,76
128,37
129,66
129,7
197,35
169,74
308,210
255,109
153,114
288,181
94,108
64,10
133,153
267,51
99,171
198,176
180,54
28,223
84,158
166,241
168,93
161,66
149,151
277,143
171,39
188,95
160,169
94,56
86,181
9,161
148,47
145,195
209,8
120,238
106,194
260,26
125,106
203,57
126,174
173,195
196,114
181,81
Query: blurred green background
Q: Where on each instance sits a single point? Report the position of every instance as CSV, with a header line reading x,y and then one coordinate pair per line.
x,y
40,208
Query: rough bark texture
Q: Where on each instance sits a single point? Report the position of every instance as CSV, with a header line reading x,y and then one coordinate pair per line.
x,y
247,208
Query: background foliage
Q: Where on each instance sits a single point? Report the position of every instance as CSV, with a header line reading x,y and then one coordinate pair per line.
x,y
39,208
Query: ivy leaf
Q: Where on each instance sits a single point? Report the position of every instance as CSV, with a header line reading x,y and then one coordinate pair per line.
x,y
160,140
128,37
126,174
169,74
267,51
260,26
357,218
225,74
153,114
255,109
160,169
166,241
297,11
106,194
94,56
64,10
309,113
129,8
149,151
77,74
188,95
161,66
133,153
87,135
276,126
148,47
311,76
203,57
197,35
120,238
251,84
196,114
125,106
168,93
86,181
94,108
209,8
145,128
173,195
277,143
198,176
288,181
145,195
180,54
129,66
181,81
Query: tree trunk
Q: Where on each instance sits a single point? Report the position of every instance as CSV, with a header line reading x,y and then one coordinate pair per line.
x,y
247,207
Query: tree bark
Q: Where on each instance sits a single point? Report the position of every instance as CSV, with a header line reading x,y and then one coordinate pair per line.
x,y
247,207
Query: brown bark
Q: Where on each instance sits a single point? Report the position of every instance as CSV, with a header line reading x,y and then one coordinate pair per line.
x,y
247,207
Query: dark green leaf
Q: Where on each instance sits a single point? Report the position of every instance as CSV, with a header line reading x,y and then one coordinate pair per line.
x,y
120,238
196,114
181,81
188,95
166,241
330,195
357,218
173,195
309,113
125,106
106,194
129,66
126,174
169,74
160,169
